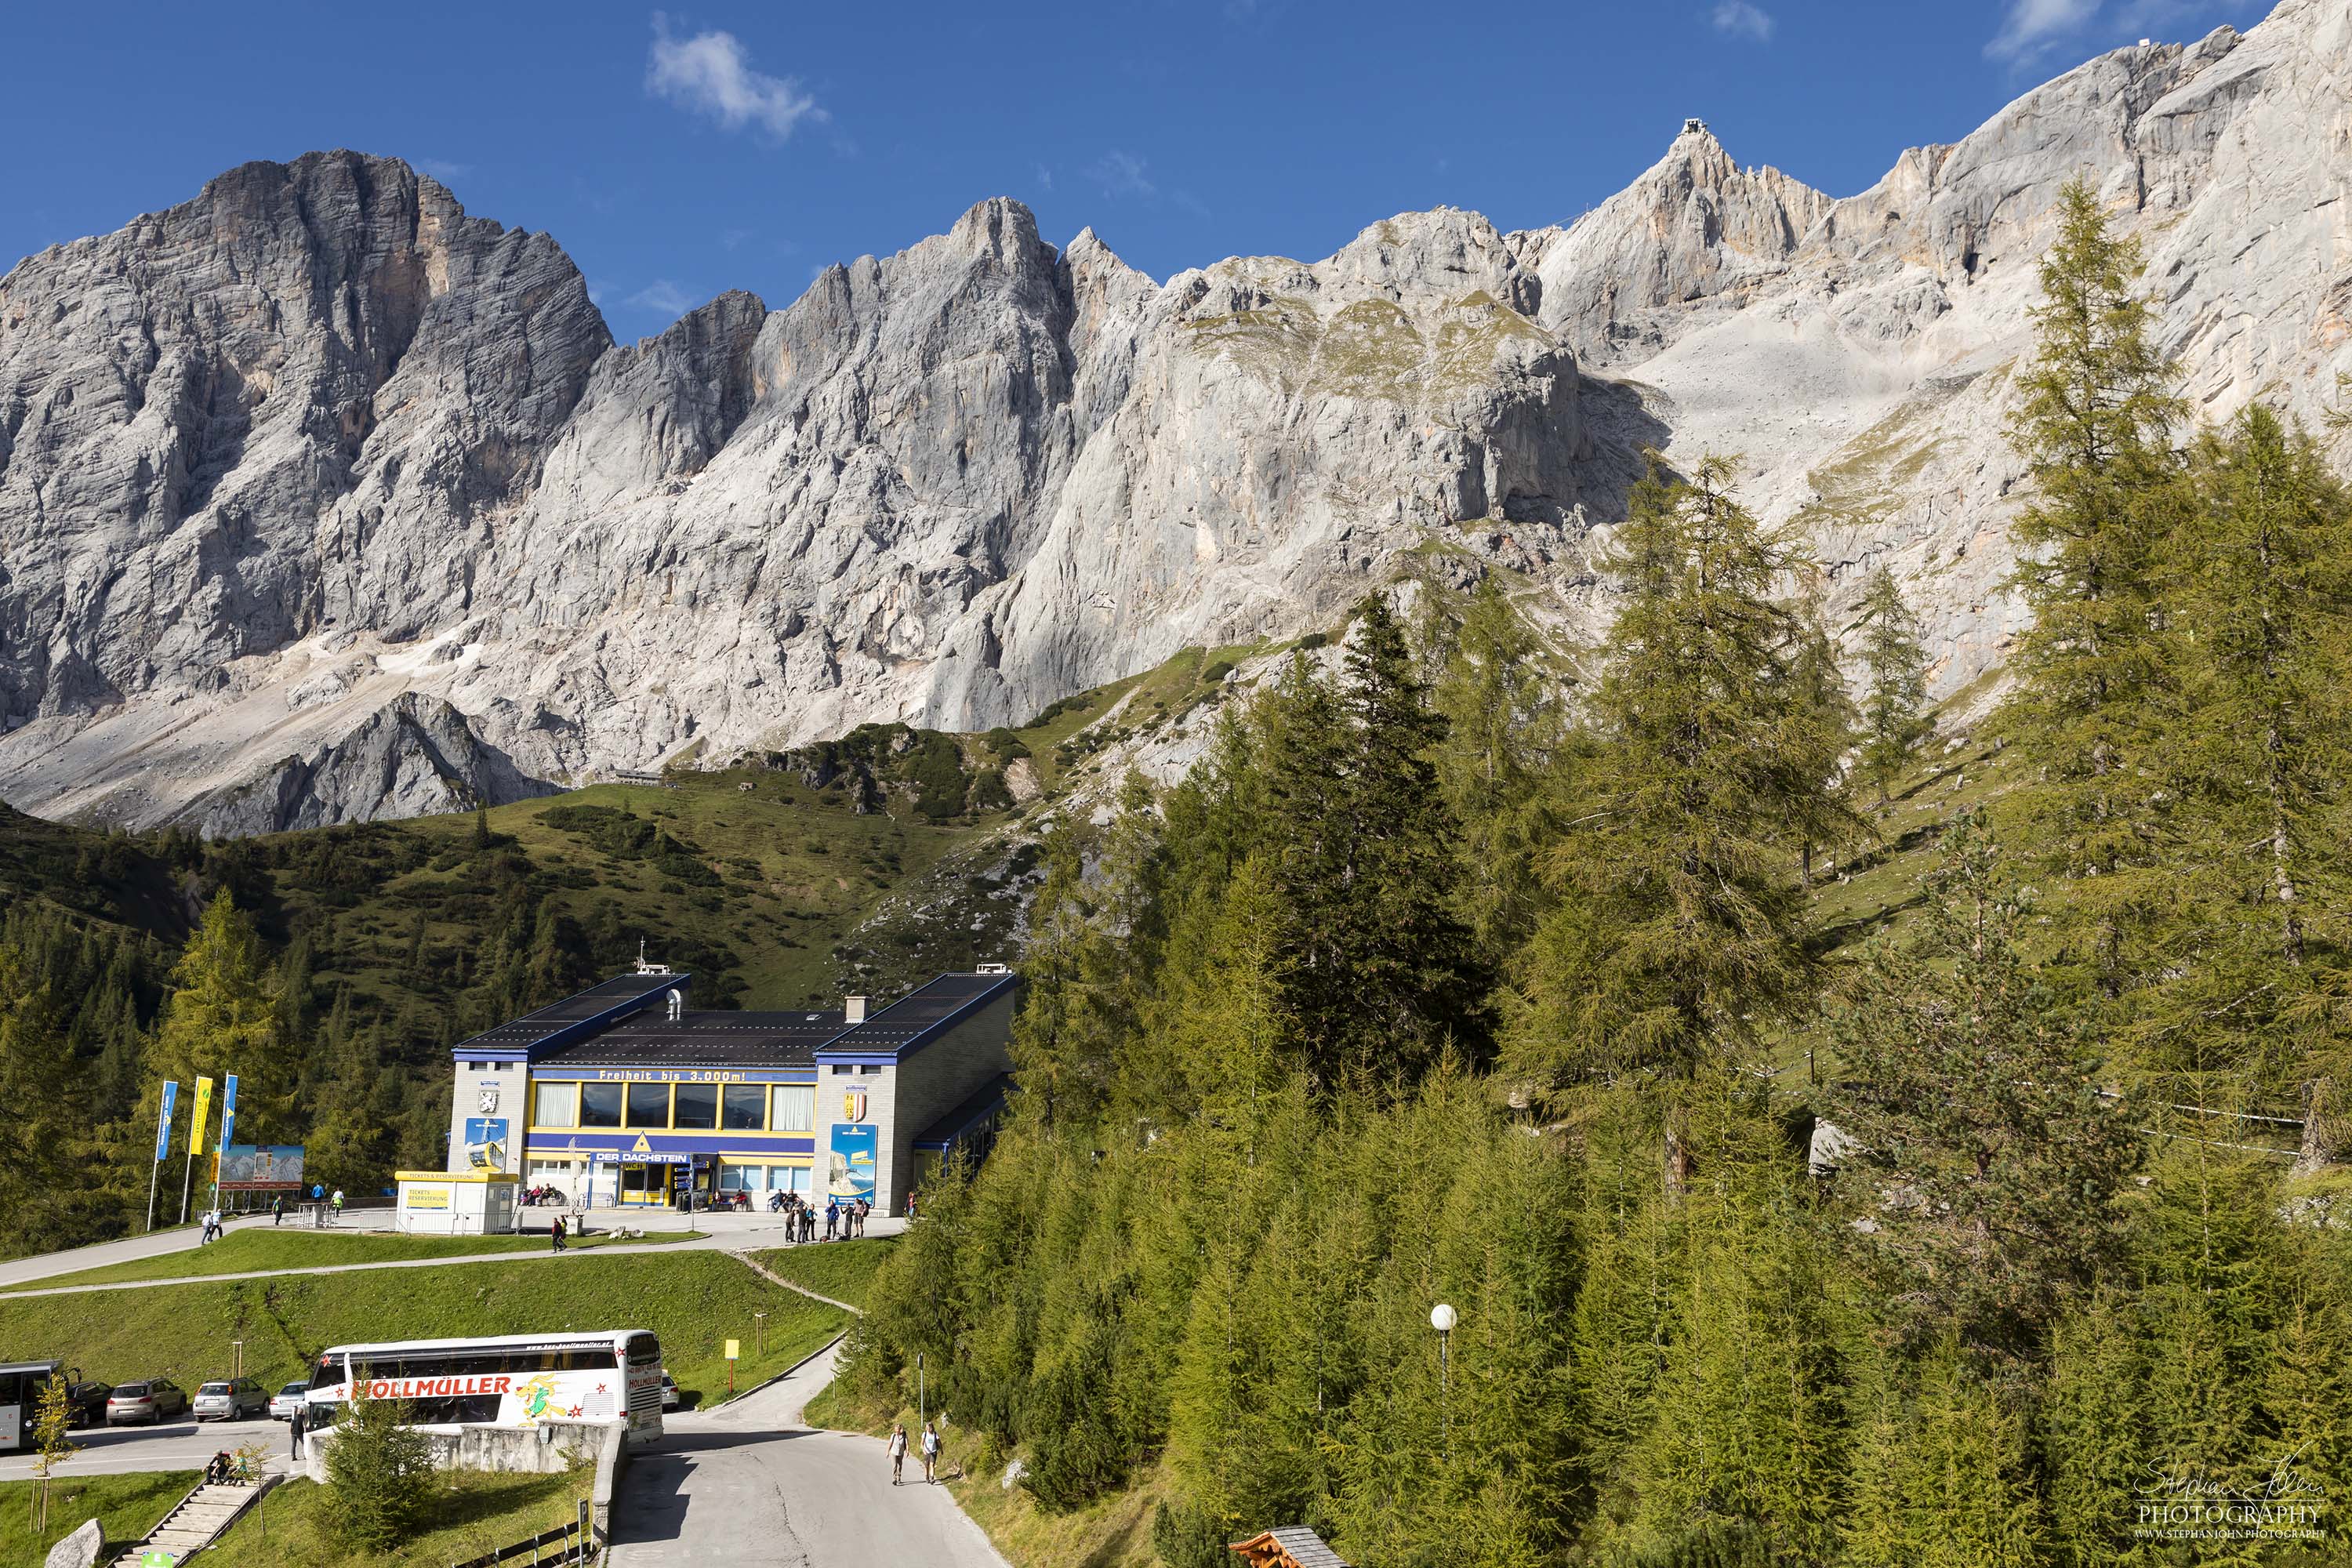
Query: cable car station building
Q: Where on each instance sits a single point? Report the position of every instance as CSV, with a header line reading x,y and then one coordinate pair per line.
x,y
626,1095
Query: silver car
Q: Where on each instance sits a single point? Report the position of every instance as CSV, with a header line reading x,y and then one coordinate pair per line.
x,y
288,1400
237,1401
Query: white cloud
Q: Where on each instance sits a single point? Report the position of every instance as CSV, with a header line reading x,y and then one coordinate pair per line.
x,y
1121,174
443,170
1045,178
1741,19
2033,27
711,73
663,296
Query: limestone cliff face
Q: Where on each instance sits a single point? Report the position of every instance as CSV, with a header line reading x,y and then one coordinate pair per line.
x,y
321,499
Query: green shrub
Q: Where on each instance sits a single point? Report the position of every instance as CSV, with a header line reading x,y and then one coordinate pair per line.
x,y
686,868
989,792
1312,640
1215,674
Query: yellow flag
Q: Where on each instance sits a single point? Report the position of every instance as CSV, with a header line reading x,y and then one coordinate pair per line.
x,y
203,1110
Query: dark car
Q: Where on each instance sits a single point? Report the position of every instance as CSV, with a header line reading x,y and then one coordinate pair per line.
x,y
85,1400
157,1399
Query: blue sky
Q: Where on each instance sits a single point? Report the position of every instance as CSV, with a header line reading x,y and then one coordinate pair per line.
x,y
680,152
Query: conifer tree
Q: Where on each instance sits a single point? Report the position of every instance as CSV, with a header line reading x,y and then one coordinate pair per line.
x,y
1681,925
2093,427
224,1017
1986,1157
1505,730
1895,696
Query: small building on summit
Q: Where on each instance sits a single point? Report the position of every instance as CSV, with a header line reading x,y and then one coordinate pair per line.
x,y
627,1096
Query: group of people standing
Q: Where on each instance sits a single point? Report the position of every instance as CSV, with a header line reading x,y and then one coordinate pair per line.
x,y
843,1221
930,1451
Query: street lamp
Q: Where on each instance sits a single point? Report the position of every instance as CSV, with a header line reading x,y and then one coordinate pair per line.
x,y
1441,1318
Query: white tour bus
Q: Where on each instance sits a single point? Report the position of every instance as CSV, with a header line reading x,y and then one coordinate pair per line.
x,y
20,1397
520,1380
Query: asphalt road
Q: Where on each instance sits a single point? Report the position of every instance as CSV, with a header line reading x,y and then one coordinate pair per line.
x,y
180,1445
748,1485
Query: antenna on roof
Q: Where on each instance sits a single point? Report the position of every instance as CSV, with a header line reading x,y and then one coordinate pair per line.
x,y
646,968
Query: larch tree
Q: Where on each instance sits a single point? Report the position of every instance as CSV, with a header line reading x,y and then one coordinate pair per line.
x,y
2094,426
224,1016
1895,684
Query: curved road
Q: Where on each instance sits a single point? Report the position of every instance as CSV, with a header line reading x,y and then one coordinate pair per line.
x,y
749,1485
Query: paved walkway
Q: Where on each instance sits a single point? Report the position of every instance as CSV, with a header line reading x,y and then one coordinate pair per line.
x,y
747,1486
726,1233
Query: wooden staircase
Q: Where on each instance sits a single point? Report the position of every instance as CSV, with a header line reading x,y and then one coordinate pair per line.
x,y
194,1523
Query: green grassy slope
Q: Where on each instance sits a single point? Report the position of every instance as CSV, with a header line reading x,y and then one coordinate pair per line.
x,y
841,1269
473,1515
693,1302
126,1507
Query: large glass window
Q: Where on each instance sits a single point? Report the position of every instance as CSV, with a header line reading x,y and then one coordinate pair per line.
x,y
600,1105
648,1105
795,1108
555,1105
633,1178
735,1178
697,1106
745,1109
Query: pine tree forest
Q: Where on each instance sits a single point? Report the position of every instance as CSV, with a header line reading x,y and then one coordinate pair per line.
x,y
1475,970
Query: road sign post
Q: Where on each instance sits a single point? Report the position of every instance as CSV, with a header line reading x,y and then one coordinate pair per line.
x,y
734,1350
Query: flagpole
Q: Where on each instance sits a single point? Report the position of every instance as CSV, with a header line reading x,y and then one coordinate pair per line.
x,y
154,1169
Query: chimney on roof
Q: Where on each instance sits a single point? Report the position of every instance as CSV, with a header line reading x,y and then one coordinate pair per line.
x,y
676,1004
853,1009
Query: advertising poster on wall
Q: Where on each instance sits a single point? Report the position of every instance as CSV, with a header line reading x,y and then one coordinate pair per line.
x,y
486,1143
851,1174
261,1168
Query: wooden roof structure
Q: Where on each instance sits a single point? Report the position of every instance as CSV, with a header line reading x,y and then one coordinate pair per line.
x,y
1291,1546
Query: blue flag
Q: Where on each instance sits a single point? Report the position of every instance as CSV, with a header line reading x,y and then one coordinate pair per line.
x,y
228,1109
164,1126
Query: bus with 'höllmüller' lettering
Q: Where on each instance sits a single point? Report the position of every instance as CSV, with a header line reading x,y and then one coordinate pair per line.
x,y
520,1380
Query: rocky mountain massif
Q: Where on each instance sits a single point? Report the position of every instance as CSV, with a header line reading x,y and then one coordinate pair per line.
x,y
321,499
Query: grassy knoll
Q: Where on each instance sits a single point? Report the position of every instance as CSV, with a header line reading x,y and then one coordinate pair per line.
x,y
476,1514
693,1300
126,1507
841,1269
249,1251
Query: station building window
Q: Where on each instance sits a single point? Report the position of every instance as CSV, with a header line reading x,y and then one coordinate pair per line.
x,y
795,1108
555,1105
696,1106
744,1108
648,1105
600,1105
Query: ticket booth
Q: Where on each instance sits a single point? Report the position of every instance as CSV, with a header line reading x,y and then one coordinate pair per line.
x,y
456,1203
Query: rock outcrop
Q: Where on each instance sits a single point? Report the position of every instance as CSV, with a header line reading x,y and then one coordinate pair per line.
x,y
321,499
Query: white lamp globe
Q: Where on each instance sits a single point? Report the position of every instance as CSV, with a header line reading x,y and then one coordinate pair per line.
x,y
1441,1318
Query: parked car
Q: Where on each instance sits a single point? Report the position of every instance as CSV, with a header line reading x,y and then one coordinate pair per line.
x,y
670,1391
157,1399
226,1401
85,1400
288,1400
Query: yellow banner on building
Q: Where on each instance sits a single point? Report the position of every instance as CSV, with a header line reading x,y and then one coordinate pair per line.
x,y
425,1198
203,1109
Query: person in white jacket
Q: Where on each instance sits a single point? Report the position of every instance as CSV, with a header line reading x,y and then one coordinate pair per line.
x,y
897,1451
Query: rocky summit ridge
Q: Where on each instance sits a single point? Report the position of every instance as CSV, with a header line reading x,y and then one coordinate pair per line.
x,y
321,499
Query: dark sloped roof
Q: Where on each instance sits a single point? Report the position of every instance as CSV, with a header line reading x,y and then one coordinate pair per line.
x,y
591,1010
909,1023
706,1038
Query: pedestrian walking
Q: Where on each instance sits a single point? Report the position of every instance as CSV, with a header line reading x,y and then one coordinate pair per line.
x,y
278,1209
555,1235
931,1450
897,1451
808,1222
832,1216
301,1419
338,1202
